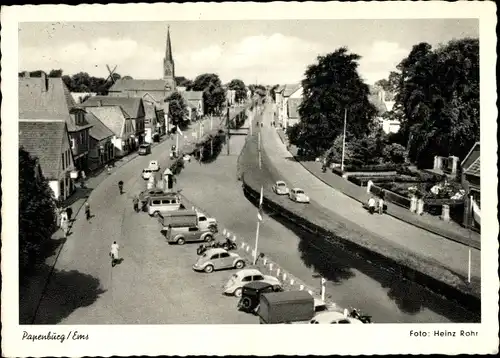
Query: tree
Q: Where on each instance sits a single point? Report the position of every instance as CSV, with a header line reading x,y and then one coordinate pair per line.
x,y
240,88
438,91
213,94
331,86
177,108
56,73
127,78
182,81
37,210
272,91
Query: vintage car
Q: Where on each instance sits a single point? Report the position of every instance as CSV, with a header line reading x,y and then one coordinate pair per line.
x,y
144,149
250,296
280,188
333,317
234,285
298,195
218,259
146,194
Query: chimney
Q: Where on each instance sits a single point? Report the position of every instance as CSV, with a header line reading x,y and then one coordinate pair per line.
x,y
45,82
25,74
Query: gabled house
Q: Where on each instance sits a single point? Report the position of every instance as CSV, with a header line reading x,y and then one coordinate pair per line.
x,y
44,115
133,108
102,150
471,182
195,104
49,142
293,91
79,128
119,124
150,122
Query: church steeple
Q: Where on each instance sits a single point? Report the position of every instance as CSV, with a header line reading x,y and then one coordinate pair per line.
x,y
168,63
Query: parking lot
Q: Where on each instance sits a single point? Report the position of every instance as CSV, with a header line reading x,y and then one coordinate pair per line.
x,y
155,282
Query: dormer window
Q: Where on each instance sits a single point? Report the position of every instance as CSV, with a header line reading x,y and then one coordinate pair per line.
x,y
79,118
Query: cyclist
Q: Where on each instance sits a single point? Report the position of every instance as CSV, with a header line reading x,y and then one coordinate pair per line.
x,y
114,253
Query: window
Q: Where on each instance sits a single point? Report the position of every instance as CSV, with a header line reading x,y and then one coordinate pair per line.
x,y
73,143
258,278
165,201
247,279
156,202
202,218
193,229
223,255
68,158
216,256
63,155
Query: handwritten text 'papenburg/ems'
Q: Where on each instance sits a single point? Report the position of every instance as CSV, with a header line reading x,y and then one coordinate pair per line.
x,y
52,336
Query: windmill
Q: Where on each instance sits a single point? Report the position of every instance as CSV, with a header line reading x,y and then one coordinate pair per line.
x,y
111,73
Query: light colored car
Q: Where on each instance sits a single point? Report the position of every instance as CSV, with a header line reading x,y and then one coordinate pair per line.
x,y
298,195
186,158
154,166
333,317
146,173
280,188
235,284
218,259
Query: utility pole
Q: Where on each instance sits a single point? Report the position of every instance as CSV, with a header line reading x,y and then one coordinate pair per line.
x,y
343,141
227,124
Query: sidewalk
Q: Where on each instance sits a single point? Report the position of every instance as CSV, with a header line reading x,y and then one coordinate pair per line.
x,y
449,230
387,231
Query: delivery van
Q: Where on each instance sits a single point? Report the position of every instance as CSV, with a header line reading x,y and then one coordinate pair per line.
x,y
161,205
187,218
286,307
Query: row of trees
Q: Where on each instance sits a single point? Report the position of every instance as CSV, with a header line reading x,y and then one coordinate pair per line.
x,y
437,100
436,94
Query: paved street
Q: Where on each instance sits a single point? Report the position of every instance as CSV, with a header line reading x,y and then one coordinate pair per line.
x,y
214,187
154,284
450,254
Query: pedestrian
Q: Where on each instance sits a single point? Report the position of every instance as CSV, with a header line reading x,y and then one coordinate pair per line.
x,y
114,253
69,212
87,211
83,177
64,222
371,205
136,204
381,205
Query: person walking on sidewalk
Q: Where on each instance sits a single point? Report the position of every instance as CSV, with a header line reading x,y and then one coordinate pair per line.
x,y
371,205
135,200
87,211
69,212
64,223
381,205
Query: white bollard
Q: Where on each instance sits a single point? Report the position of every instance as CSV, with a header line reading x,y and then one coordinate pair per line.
x,y
248,248
270,267
228,235
284,276
278,272
243,245
265,261
301,287
234,237
292,281
224,232
192,208
310,292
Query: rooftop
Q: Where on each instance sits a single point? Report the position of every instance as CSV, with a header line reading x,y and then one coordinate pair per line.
x,y
130,105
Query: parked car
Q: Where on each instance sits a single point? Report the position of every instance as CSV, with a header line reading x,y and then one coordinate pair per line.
x,y
163,204
154,166
146,173
333,317
234,285
146,194
298,195
144,149
280,188
183,234
218,259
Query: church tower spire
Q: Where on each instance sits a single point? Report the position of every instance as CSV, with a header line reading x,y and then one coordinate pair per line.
x,y
168,63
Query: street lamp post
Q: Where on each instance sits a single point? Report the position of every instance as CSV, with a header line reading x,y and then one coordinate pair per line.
x,y
259,219
228,138
343,140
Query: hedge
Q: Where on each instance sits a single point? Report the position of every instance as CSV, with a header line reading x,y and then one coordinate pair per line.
x,y
374,168
422,176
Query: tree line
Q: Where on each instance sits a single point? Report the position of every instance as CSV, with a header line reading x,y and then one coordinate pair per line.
x,y
436,94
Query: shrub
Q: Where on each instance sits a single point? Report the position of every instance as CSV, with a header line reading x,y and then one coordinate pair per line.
x,y
177,166
423,176
394,153
374,168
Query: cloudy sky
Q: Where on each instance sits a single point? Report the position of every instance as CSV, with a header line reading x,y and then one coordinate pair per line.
x,y
268,52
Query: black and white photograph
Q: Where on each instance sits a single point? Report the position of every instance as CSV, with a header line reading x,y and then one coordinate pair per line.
x,y
176,176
